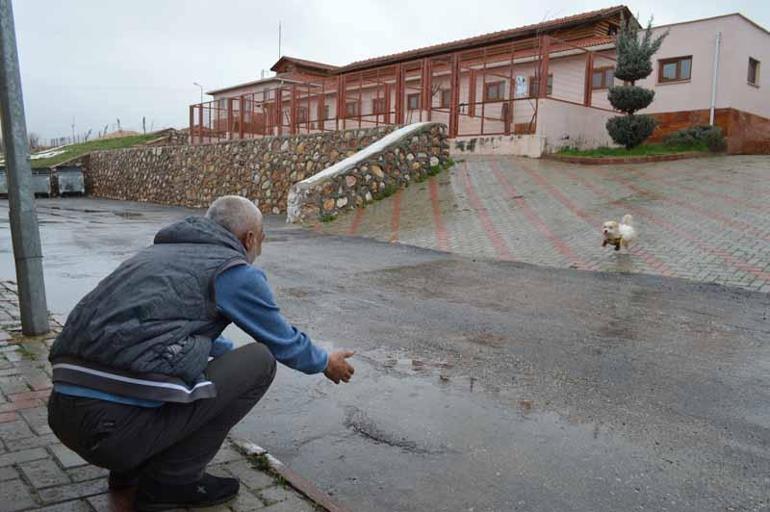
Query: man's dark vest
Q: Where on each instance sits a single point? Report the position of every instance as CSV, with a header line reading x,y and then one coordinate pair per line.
x,y
145,331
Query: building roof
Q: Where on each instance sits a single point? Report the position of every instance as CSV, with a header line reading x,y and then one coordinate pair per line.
x,y
730,15
286,77
459,44
303,63
490,38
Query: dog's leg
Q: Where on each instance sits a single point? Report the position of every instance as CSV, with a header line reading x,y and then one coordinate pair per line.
x,y
604,243
617,245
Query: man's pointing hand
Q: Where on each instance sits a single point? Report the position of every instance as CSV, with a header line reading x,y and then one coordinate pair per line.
x,y
338,369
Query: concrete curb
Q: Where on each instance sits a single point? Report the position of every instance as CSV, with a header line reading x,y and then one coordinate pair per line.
x,y
301,484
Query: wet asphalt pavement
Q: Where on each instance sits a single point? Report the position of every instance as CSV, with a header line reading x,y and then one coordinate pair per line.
x,y
483,385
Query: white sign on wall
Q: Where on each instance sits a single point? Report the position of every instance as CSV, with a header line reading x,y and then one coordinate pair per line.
x,y
521,86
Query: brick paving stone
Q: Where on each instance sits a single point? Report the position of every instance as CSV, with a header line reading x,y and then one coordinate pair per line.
x,y
84,473
13,384
37,419
32,442
226,454
11,458
274,494
66,457
14,430
20,405
8,473
29,395
292,504
244,471
15,496
43,473
6,417
67,506
246,502
72,491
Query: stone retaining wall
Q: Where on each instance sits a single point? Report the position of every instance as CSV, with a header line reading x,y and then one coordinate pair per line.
x,y
409,153
194,175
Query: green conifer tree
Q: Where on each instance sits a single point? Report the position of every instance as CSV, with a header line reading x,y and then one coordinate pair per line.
x,y
634,63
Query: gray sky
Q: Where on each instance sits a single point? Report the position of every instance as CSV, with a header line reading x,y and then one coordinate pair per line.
x,y
99,60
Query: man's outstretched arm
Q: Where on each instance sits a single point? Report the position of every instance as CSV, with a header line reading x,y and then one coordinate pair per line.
x,y
244,297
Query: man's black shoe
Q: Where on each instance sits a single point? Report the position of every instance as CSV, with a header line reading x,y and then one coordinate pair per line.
x,y
208,491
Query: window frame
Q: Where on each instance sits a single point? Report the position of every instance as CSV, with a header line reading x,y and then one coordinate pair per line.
x,y
548,88
499,85
302,114
445,93
678,61
756,67
605,84
409,98
351,112
378,106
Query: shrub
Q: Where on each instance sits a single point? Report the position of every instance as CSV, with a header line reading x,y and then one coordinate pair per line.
x,y
711,136
629,98
630,130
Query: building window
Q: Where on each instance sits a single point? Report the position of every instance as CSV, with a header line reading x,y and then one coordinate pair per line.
x,y
533,86
494,91
674,70
445,99
753,71
603,78
413,101
326,112
378,105
302,114
351,109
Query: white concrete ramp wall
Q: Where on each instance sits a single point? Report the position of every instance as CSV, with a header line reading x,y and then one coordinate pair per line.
x,y
410,152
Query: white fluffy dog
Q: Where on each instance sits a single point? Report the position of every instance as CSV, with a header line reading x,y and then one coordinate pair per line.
x,y
619,233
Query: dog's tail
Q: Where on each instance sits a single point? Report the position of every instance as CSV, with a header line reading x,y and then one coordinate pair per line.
x,y
628,219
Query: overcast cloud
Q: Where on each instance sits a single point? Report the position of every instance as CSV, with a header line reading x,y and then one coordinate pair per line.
x,y
95,61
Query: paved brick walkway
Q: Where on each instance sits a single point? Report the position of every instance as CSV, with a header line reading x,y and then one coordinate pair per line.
x,y
702,219
39,473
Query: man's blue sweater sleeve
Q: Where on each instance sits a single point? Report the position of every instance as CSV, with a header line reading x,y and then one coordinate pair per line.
x,y
245,298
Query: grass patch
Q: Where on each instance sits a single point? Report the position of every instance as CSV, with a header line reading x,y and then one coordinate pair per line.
x,y
262,463
643,150
327,217
76,150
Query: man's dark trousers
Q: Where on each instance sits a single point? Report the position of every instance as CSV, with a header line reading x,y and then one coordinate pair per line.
x,y
172,443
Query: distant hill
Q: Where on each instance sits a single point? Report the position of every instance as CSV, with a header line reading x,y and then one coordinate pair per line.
x,y
116,140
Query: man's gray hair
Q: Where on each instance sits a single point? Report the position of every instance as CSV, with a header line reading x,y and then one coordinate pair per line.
x,y
234,213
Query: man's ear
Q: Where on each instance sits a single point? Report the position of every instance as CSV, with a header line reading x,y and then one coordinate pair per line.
x,y
247,239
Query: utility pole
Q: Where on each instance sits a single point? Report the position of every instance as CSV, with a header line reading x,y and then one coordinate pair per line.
x,y
27,251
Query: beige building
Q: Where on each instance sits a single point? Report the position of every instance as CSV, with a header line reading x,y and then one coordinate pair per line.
x,y
487,88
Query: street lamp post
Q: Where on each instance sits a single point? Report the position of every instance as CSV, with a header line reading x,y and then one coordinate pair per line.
x,y
25,234
201,88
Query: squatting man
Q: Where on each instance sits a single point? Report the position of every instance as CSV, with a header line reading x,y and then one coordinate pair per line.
x,y
144,383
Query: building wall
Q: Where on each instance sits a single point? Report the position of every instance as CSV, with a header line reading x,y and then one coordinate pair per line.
x,y
561,124
740,40
743,41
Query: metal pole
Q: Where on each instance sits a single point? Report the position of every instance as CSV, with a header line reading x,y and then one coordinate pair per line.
x,y
21,200
715,79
